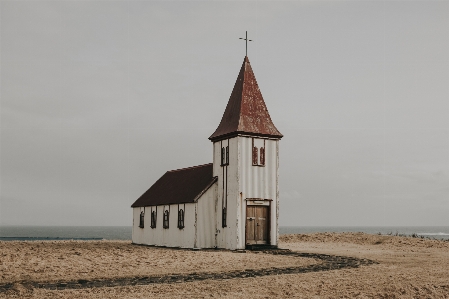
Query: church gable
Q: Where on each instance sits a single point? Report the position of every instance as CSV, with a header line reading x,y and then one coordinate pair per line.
x,y
184,185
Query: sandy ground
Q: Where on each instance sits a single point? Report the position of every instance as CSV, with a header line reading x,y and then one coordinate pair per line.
x,y
72,260
408,268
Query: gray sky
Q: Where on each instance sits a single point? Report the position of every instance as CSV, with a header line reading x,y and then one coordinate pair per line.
x,y
99,99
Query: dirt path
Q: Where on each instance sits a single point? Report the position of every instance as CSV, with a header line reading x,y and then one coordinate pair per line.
x,y
327,262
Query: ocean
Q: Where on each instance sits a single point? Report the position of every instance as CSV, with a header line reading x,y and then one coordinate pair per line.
x,y
30,233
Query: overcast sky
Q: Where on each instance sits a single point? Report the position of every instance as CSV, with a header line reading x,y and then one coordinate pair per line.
x,y
100,98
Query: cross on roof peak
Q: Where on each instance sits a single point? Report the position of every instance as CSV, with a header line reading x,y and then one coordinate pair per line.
x,y
246,42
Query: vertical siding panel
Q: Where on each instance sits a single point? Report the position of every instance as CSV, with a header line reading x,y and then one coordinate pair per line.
x,y
206,220
195,242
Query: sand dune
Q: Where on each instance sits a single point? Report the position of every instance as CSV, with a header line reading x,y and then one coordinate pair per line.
x,y
408,268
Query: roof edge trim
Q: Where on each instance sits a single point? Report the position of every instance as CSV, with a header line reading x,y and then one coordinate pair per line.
x,y
214,180
191,167
241,133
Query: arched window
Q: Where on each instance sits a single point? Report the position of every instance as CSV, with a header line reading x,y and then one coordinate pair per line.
x,y
181,218
153,219
142,218
166,218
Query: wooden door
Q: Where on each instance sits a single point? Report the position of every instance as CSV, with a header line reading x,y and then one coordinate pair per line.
x,y
257,225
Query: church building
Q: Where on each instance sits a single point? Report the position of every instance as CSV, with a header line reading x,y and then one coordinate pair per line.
x,y
231,203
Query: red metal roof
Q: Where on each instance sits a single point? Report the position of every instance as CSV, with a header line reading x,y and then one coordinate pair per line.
x,y
178,186
246,111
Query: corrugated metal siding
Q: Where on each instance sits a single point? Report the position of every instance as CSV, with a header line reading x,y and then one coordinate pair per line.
x,y
171,237
245,181
228,237
260,182
206,219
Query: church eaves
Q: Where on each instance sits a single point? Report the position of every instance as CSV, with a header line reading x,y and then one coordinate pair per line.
x,y
246,112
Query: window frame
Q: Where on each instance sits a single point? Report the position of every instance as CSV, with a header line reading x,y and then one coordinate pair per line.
x,y
166,219
181,215
224,155
153,219
258,154
142,219
255,156
262,156
224,214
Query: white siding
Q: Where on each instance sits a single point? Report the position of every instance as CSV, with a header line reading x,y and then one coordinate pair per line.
x,y
228,237
170,237
199,224
260,181
205,226
245,181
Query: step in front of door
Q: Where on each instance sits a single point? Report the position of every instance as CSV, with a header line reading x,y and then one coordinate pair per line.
x,y
257,247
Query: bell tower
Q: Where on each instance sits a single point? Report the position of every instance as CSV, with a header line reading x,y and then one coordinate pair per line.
x,y
246,162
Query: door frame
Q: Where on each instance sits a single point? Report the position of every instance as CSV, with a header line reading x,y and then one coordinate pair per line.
x,y
257,202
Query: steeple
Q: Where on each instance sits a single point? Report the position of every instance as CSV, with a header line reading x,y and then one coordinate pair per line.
x,y
246,112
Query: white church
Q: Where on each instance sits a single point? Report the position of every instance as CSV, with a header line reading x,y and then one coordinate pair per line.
x,y
231,203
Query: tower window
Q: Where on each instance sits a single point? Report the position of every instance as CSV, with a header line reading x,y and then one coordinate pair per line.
x,y
255,156
262,156
225,155
142,219
153,219
166,219
181,218
258,152
223,217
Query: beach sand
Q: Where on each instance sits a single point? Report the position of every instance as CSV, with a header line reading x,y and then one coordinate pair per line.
x,y
407,268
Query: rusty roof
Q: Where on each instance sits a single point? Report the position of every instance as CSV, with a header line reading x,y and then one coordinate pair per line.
x,y
178,186
246,111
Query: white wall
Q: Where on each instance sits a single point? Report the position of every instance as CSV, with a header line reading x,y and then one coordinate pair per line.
x,y
245,181
260,182
172,236
228,237
206,219
199,224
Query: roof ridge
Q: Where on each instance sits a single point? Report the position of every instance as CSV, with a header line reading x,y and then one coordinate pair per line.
x,y
191,167
244,66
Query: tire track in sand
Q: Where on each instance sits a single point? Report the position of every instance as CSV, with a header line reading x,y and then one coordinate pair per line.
x,y
328,262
